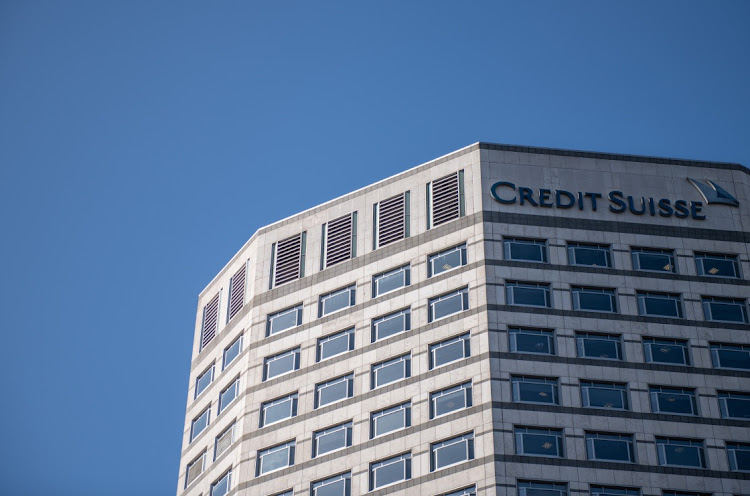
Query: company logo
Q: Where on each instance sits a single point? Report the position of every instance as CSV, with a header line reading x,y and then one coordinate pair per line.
x,y
713,193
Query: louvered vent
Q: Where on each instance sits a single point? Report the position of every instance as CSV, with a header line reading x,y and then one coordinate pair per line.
x,y
391,220
237,292
195,469
210,321
288,259
224,441
339,240
445,199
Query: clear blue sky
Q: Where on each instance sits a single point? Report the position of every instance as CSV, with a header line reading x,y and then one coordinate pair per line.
x,y
142,143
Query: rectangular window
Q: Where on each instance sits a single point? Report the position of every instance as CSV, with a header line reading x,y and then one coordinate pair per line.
x,y
210,321
199,423
467,491
227,396
669,351
204,380
275,458
281,364
224,440
448,304
450,350
236,293
451,451
338,485
339,240
388,325
288,259
335,344
594,299
283,320
529,488
530,250
195,468
222,486
589,255
610,395
610,447
390,471
539,442
739,457
536,341
450,400
231,352
391,281
535,390
390,371
391,419
734,405
730,356
279,409
337,300
599,346
653,260
659,304
390,220
528,294
446,260
332,439
445,199
716,265
613,491
680,452
334,390
724,309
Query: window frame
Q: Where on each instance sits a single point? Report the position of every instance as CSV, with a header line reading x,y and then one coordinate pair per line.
x,y
233,430
591,437
676,298
378,414
635,258
210,370
510,297
599,490
464,491
345,476
405,312
462,292
559,434
708,312
224,362
467,439
346,333
510,241
463,259
289,446
271,316
346,426
228,476
700,267
464,387
586,386
572,258
650,342
513,332
292,397
723,396
576,291
221,405
351,289
405,270
463,338
348,378
732,448
523,485
268,361
582,336
405,361
715,349
406,470
207,412
200,458
663,442
554,389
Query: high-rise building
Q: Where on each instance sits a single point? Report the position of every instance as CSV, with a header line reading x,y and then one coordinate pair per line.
x,y
500,320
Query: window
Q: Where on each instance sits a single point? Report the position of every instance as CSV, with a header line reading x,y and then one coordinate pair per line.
x,y
594,299
610,395
659,304
528,294
199,423
390,471
730,356
229,395
390,220
450,399
279,409
613,491
448,304
610,447
528,488
332,439
224,440
739,457
338,240
204,380
281,364
467,491
599,346
288,260
680,452
715,265
390,371
236,293
537,341
338,485
734,405
335,344
684,493
210,320
539,442
530,250
653,260
391,281
673,400
724,309
535,390
334,390
388,325
445,199
446,260
283,320
671,351
231,352
451,451
338,300
275,458
450,350
195,468
390,419
222,486
589,255
289,492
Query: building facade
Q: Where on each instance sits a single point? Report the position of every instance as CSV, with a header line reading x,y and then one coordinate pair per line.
x,y
501,320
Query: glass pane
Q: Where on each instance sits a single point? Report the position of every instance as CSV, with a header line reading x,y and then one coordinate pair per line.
x,y
336,302
390,282
532,343
388,474
674,403
536,393
585,255
540,444
272,461
332,441
683,455
741,459
448,353
610,449
278,366
600,302
655,261
606,398
719,267
666,307
337,488
730,312
523,251
529,296
599,348
734,359
448,306
667,353
199,424
204,381
450,402
279,411
390,422
231,353
227,396
737,407
334,392
446,261
390,326
450,454
389,373
221,488
282,321
529,491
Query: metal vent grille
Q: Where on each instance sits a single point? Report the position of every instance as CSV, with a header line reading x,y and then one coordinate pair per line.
x,y
210,321
288,259
338,240
195,468
236,292
445,199
224,441
391,220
